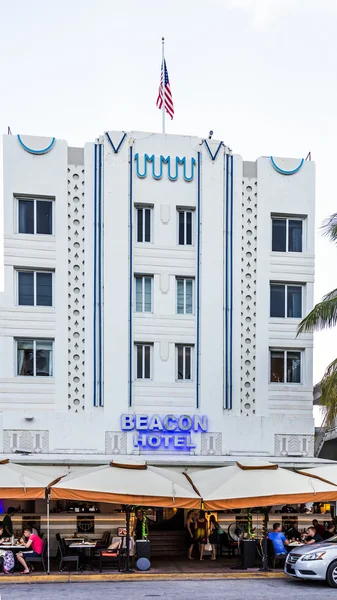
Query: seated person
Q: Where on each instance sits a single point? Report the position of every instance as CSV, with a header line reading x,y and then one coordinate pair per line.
x,y
279,539
33,547
293,533
330,531
6,555
33,527
312,536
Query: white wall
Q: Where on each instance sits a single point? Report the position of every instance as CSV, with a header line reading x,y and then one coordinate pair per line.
x,y
32,175
260,410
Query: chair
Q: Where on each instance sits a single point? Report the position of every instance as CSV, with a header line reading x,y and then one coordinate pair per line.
x,y
39,559
273,558
225,542
66,558
112,556
104,541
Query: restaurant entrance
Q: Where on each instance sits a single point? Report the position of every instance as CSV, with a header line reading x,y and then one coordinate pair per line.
x,y
166,532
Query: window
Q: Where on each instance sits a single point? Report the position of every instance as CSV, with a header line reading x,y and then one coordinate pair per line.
x,y
35,216
143,224
285,300
184,296
287,235
35,288
35,358
143,293
143,359
285,366
185,227
184,363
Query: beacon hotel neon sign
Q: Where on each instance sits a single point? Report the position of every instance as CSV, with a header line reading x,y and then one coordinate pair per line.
x,y
164,432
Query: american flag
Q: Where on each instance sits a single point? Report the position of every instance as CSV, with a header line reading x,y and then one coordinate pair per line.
x,y
167,91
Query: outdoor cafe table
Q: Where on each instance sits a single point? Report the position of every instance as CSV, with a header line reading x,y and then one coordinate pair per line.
x,y
12,547
82,546
295,544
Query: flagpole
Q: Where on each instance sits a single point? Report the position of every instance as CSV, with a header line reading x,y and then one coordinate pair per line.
x,y
163,82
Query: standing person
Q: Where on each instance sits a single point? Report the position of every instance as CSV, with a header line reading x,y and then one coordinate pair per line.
x,y
190,533
201,532
140,528
320,529
7,522
6,555
279,539
213,535
33,547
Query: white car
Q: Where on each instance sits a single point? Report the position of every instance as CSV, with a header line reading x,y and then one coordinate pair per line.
x,y
314,561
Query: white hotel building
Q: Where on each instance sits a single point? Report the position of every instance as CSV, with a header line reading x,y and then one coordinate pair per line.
x,y
153,286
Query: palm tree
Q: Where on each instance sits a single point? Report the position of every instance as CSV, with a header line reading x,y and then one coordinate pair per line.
x,y
324,316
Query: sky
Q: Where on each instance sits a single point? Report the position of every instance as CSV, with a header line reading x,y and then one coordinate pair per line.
x,y
260,73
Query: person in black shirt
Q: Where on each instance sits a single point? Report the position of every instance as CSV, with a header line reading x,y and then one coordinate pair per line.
x,y
7,522
330,531
293,533
313,537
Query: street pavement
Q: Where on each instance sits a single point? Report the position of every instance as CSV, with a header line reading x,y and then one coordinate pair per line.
x,y
269,589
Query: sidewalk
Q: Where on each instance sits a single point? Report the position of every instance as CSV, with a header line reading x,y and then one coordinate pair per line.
x,y
161,570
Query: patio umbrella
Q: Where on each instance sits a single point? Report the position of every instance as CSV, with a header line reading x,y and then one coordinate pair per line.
x,y
258,483
19,482
23,483
326,473
130,483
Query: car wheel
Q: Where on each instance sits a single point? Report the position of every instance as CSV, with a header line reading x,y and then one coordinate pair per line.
x,y
331,574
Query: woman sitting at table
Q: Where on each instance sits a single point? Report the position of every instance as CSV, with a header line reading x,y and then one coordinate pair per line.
x,y
6,555
33,547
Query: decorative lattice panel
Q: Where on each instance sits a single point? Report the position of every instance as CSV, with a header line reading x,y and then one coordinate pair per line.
x,y
115,442
248,295
294,445
211,444
76,289
34,441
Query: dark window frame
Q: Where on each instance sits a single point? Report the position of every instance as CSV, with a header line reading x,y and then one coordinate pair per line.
x,y
288,220
185,226
36,273
36,217
283,368
286,288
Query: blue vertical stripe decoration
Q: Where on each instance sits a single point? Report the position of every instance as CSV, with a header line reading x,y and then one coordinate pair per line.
x,y
231,290
98,296
228,321
131,281
95,265
226,282
100,261
197,368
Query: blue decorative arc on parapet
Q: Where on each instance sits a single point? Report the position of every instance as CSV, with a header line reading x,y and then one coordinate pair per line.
x,y
32,151
282,171
113,145
213,156
165,161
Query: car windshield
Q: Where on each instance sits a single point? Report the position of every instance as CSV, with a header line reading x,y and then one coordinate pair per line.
x,y
333,539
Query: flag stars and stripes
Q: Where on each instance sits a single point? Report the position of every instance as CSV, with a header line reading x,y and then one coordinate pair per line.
x,y
164,93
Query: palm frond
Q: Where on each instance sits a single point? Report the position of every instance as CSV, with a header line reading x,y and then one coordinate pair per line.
x,y
330,295
329,393
329,228
322,316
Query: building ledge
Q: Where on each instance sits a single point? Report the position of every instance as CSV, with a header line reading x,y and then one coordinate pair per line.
x,y
181,461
